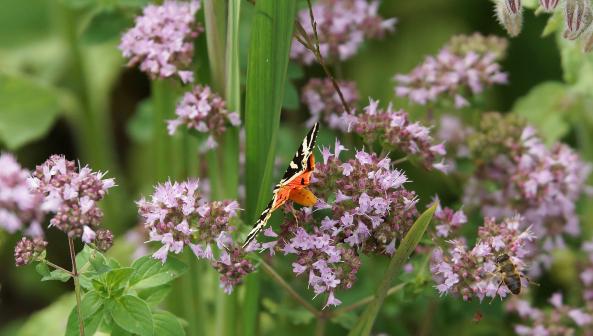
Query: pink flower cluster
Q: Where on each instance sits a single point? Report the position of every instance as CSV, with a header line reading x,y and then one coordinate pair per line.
x,y
394,131
27,250
20,208
543,184
469,273
367,211
177,215
72,194
162,39
342,27
450,74
204,111
446,220
559,320
322,100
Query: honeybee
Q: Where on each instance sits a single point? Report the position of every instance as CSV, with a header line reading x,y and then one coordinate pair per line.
x,y
509,274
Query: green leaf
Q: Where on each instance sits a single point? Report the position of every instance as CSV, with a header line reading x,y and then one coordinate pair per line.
x,y
271,36
554,23
545,107
91,324
400,257
44,321
27,110
155,295
57,275
117,278
151,273
167,324
42,269
90,304
105,26
139,127
133,315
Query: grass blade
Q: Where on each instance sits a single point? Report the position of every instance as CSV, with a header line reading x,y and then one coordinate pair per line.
x,y
269,48
401,255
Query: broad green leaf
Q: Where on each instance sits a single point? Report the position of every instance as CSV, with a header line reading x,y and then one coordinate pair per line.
x,y
106,26
91,324
400,257
545,108
133,315
155,295
90,304
150,272
27,110
117,278
167,324
271,36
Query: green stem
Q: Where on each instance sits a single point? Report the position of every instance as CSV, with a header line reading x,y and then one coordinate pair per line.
x,y
163,108
280,281
365,301
191,303
49,263
320,326
76,285
400,257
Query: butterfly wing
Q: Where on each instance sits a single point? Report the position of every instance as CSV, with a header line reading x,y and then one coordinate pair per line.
x,y
298,172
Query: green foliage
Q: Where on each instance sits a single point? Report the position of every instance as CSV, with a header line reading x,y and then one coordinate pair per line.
x,y
28,110
400,257
545,107
106,26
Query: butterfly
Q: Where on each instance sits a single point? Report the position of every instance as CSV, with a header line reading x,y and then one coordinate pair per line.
x,y
293,185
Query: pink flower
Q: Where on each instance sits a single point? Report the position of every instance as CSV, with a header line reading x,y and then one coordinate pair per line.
x,y
342,26
322,100
161,42
72,194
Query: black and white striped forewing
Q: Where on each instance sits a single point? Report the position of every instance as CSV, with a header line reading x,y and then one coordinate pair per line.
x,y
298,164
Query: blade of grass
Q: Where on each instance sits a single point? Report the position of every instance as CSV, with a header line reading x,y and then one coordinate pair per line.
x,y
401,255
214,17
269,48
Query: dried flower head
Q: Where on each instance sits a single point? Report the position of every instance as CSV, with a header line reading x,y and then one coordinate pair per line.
x,y
453,73
342,27
322,100
578,17
394,131
204,111
103,239
72,195
549,5
162,39
20,208
473,272
27,250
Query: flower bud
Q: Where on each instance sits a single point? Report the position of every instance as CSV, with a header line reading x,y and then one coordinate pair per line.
x,y
549,5
578,17
26,250
509,15
104,239
513,6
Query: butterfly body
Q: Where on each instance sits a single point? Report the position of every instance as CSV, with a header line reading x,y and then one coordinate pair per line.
x,y
293,185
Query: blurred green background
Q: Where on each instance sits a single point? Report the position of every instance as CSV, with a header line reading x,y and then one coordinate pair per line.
x,y
36,46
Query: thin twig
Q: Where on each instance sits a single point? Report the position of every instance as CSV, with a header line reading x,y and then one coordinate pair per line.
x,y
402,160
76,285
49,263
279,280
365,301
315,50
